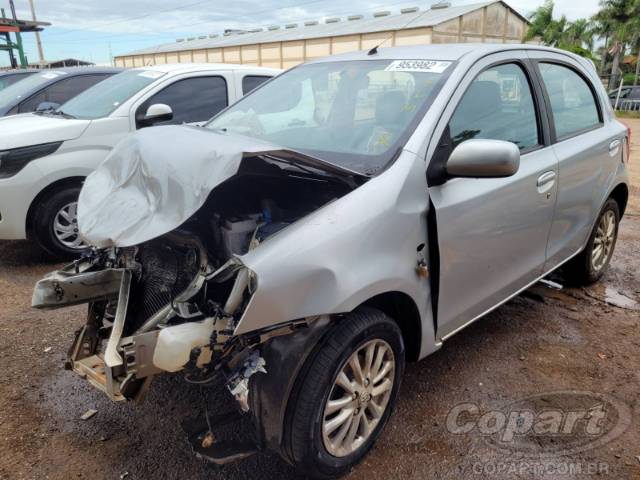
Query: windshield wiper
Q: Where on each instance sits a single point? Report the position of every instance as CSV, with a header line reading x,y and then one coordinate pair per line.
x,y
62,114
58,113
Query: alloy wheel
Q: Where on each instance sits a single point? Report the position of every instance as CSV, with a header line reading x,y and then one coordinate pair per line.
x,y
603,241
358,398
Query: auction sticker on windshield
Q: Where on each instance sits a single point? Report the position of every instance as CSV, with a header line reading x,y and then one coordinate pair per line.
x,y
426,66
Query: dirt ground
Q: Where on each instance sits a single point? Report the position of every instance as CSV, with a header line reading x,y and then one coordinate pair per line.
x,y
545,340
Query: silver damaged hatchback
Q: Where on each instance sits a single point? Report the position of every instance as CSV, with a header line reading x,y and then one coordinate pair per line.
x,y
347,216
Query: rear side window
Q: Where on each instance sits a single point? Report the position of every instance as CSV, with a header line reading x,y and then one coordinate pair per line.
x,y
573,105
192,100
61,91
498,105
252,81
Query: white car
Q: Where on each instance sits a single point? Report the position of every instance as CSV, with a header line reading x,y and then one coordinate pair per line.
x,y
45,156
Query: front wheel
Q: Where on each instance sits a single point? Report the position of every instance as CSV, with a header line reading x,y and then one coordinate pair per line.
x,y
589,265
345,394
55,223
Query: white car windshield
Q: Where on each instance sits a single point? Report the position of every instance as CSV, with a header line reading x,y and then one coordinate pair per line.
x,y
354,114
104,97
24,88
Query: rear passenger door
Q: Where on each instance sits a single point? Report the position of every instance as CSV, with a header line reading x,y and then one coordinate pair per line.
x,y
587,151
193,100
492,233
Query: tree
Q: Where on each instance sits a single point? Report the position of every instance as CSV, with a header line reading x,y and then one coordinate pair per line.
x,y
544,26
575,36
622,18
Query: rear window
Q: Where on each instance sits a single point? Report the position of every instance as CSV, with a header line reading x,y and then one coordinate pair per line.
x,y
573,104
252,81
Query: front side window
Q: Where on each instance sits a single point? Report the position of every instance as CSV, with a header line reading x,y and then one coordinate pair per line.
x,y
573,105
192,100
498,105
103,98
354,114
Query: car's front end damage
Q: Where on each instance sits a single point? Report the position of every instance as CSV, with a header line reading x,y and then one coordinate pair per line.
x,y
228,262
173,302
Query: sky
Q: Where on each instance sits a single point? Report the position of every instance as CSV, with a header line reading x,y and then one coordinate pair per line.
x,y
94,30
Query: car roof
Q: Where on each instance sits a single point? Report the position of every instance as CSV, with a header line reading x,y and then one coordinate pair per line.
x,y
5,73
198,67
443,52
83,70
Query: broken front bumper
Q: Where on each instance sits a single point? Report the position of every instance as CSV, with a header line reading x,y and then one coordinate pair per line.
x,y
125,362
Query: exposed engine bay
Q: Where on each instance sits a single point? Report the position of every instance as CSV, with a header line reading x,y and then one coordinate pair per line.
x,y
173,303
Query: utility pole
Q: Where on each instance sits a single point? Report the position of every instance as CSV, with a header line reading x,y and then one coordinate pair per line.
x,y
38,42
23,59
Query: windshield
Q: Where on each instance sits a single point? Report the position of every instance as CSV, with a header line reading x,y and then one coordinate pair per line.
x,y
24,88
104,97
353,114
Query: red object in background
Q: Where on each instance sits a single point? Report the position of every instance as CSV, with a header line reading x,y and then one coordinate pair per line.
x,y
628,140
8,28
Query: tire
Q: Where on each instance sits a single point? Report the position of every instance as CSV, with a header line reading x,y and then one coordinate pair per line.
x,y
44,223
584,269
309,445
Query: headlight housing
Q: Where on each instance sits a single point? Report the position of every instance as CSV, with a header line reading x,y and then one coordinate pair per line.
x,y
14,160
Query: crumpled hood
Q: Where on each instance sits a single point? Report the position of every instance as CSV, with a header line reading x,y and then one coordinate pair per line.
x,y
31,129
154,180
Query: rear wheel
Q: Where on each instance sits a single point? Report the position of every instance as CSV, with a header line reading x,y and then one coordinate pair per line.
x,y
345,394
55,223
589,265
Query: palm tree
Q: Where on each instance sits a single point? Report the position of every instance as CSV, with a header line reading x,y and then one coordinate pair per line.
x,y
622,18
603,26
544,26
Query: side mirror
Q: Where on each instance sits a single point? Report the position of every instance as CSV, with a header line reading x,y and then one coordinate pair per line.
x,y
158,112
45,106
484,158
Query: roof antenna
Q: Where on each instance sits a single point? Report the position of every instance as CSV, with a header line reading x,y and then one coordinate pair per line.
x,y
374,50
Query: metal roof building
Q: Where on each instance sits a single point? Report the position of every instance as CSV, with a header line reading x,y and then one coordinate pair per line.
x,y
283,46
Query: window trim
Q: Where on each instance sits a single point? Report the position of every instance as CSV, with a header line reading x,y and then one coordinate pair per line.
x,y
549,111
178,80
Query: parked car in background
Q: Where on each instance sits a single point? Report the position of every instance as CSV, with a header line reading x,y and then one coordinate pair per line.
x,y
627,94
12,76
45,156
49,89
352,214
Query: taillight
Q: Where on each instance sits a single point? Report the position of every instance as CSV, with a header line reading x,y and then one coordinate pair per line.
x,y
628,143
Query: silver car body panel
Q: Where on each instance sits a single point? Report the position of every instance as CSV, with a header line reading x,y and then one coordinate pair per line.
x,y
492,233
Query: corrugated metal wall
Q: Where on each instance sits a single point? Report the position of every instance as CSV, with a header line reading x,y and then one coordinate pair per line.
x,y
494,23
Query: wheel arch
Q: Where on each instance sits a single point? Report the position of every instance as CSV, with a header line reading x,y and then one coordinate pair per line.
x,y
621,195
75,181
404,311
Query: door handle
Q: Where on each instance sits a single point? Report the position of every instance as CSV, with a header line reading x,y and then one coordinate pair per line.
x,y
546,178
613,147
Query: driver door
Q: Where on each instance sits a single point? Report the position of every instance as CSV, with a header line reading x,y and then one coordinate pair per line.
x,y
492,232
